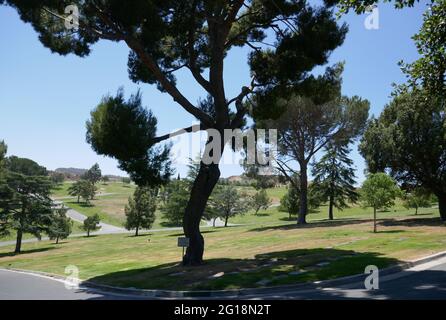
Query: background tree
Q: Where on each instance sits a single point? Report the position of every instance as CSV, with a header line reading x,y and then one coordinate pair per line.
x,y
24,166
166,36
61,225
417,198
25,204
3,150
414,145
140,211
126,180
177,193
379,191
227,202
334,177
375,146
290,202
94,174
105,179
307,127
260,200
75,190
415,118
429,71
91,224
57,178
87,190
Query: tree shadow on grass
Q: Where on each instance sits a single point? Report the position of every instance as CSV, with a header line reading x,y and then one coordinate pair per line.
x,y
25,252
261,214
315,224
81,204
413,222
389,231
167,224
90,236
268,269
182,234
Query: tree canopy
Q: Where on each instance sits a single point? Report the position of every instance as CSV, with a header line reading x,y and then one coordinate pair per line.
x,y
334,177
94,174
286,40
413,143
25,205
24,166
140,211
227,202
307,127
379,191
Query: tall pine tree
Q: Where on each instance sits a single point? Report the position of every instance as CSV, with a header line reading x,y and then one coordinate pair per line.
x,y
334,177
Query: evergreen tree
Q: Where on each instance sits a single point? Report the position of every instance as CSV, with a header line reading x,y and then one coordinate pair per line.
x,y
140,211
334,177
3,150
25,205
290,202
91,224
176,195
87,190
75,190
94,174
61,225
166,36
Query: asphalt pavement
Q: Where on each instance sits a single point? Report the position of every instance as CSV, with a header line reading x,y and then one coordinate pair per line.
x,y
426,281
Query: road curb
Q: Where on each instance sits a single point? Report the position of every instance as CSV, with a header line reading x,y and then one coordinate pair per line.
x,y
237,293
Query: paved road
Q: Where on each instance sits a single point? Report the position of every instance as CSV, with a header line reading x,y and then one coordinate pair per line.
x,y
427,281
21,286
105,228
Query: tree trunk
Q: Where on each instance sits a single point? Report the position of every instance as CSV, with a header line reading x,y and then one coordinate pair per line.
x,y
78,199
18,244
374,220
202,187
416,210
303,208
137,230
88,232
330,208
57,240
442,206
213,223
226,221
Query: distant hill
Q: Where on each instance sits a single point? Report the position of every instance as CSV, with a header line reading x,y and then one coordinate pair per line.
x,y
76,174
72,171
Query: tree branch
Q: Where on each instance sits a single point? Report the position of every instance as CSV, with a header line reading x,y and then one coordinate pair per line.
x,y
194,128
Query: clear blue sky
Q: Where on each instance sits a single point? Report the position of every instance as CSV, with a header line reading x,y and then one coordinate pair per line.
x,y
45,99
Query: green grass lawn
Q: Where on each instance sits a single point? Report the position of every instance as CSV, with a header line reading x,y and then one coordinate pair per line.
x,y
117,188
12,236
111,207
266,254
